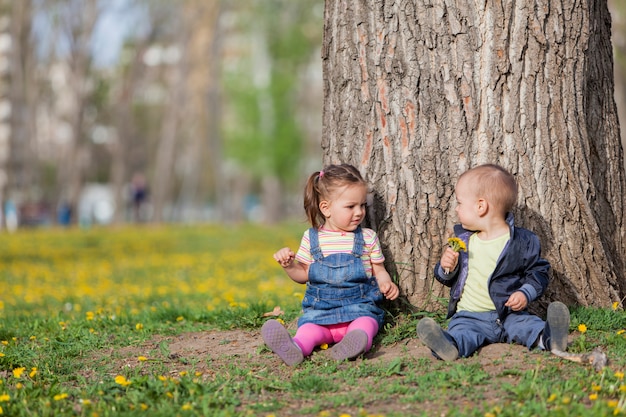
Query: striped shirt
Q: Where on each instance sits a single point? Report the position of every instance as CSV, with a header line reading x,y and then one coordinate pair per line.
x,y
343,242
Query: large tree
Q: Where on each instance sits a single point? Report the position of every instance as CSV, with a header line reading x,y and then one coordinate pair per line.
x,y
418,91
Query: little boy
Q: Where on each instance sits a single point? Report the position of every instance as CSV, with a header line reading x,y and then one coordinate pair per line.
x,y
496,278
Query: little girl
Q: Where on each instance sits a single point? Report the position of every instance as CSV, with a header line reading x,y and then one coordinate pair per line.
x,y
342,266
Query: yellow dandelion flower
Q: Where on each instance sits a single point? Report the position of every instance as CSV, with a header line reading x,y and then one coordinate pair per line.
x,y
5,343
344,415
60,397
593,397
622,388
622,331
19,385
281,321
33,338
33,372
619,375
596,388
169,395
143,406
142,358
457,244
551,398
582,327
180,318
490,415
324,346
89,315
615,305
162,378
183,373
17,372
198,373
121,380
138,326
187,407
85,402
2,355
4,398
1,411
612,403
566,400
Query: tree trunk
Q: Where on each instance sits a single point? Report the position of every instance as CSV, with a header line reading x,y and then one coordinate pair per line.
x,y
416,92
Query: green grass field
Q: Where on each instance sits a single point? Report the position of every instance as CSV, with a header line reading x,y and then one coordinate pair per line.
x,y
71,295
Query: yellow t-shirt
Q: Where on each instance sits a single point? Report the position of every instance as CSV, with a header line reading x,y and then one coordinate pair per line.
x,y
483,255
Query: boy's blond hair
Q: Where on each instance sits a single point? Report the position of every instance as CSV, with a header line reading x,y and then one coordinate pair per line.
x,y
494,184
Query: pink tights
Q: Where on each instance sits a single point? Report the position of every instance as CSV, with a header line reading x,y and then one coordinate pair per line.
x,y
310,335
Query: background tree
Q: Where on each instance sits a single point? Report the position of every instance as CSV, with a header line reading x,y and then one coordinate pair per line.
x,y
267,95
417,92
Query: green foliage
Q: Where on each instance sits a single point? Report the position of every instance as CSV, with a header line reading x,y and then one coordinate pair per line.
x,y
263,133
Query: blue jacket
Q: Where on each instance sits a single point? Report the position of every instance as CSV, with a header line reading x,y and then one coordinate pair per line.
x,y
519,268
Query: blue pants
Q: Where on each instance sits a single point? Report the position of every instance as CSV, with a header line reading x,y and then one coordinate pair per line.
x,y
470,331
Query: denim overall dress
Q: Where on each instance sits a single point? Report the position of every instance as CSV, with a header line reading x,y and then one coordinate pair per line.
x,y
339,290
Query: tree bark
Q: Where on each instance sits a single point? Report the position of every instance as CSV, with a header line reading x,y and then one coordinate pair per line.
x,y
418,91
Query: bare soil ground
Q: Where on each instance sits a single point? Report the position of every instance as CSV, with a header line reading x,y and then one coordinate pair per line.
x,y
213,352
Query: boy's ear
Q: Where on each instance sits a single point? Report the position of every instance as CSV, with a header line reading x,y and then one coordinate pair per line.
x,y
482,205
325,208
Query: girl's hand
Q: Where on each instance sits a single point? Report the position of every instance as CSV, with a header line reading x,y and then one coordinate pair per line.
x,y
389,290
285,257
449,259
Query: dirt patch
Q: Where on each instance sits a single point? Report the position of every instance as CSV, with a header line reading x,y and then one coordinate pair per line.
x,y
214,353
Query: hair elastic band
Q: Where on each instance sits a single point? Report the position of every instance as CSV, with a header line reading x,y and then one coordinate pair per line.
x,y
321,174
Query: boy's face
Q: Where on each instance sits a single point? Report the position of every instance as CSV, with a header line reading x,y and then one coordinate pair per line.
x,y
467,209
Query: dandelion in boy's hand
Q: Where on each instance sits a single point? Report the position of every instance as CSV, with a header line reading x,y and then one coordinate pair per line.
x,y
457,245
582,327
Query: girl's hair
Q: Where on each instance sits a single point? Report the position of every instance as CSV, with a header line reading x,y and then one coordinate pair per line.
x,y
495,184
320,186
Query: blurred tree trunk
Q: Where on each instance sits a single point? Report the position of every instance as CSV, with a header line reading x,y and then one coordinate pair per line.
x,y
418,92
19,159
163,169
199,119
78,20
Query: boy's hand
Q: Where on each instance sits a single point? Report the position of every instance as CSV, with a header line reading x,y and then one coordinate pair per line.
x,y
449,259
517,301
285,257
389,289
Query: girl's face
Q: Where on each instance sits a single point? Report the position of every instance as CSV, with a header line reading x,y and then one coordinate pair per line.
x,y
345,209
467,205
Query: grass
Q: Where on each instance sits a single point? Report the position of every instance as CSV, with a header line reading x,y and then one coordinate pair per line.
x,y
73,300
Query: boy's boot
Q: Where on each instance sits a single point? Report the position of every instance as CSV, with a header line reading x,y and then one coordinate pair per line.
x,y
557,327
431,334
